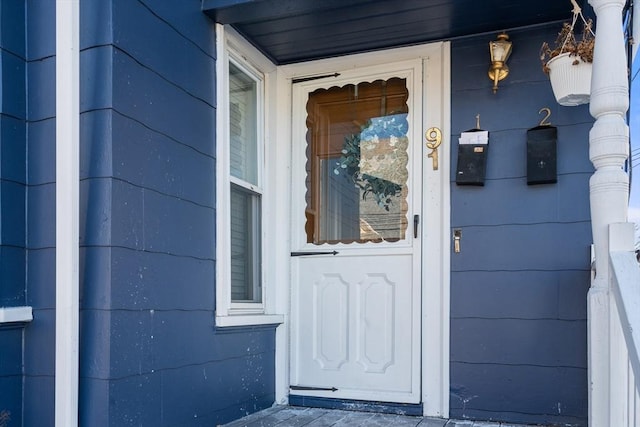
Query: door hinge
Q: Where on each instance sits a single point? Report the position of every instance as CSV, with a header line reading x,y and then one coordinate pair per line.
x,y
314,253
307,388
310,78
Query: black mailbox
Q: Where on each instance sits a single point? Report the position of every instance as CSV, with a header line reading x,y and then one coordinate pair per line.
x,y
541,155
472,160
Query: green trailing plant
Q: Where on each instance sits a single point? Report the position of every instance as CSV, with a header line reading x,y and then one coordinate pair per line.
x,y
381,189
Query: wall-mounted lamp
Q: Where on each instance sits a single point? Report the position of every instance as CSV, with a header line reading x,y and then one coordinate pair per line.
x,y
500,50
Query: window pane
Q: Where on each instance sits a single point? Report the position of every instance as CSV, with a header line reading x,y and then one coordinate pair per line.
x,y
357,156
245,246
243,125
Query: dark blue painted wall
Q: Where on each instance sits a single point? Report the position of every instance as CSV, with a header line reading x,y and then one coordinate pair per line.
x,y
518,288
39,340
12,202
150,352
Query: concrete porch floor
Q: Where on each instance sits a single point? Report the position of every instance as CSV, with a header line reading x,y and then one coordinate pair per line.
x,y
288,416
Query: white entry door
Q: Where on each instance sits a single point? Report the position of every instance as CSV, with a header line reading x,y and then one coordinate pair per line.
x,y
358,147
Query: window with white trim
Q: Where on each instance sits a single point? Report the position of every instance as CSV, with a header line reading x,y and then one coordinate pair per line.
x,y
242,77
245,138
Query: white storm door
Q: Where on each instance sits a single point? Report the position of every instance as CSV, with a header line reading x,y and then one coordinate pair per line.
x,y
356,221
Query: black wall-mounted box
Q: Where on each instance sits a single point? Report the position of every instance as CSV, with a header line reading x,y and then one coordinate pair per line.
x,y
472,164
541,155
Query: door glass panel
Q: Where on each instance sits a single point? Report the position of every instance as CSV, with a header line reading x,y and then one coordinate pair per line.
x,y
356,170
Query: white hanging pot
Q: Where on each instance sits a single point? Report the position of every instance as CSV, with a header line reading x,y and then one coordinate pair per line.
x,y
570,79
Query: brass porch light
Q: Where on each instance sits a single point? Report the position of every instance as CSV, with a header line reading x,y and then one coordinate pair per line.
x,y
500,50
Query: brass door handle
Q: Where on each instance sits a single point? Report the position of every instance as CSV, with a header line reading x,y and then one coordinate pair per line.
x,y
434,139
457,236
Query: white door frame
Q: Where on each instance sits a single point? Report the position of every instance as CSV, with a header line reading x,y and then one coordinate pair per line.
x,y
401,380
436,202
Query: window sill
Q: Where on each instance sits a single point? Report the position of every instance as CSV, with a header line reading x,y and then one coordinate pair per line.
x,y
249,320
16,314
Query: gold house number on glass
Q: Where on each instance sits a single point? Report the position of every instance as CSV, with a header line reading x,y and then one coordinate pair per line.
x,y
357,163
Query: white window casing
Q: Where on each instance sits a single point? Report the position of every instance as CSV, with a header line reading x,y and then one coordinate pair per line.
x,y
251,188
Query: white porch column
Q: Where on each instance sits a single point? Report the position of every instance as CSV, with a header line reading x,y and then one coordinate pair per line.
x,y
67,211
608,150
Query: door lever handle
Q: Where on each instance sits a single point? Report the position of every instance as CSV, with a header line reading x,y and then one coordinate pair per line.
x,y
416,221
457,236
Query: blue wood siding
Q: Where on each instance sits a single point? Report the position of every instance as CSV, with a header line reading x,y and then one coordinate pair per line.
x,y
150,353
39,336
518,288
11,375
12,156
12,203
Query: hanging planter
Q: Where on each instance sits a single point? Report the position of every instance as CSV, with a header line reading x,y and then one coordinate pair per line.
x,y
569,63
570,78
